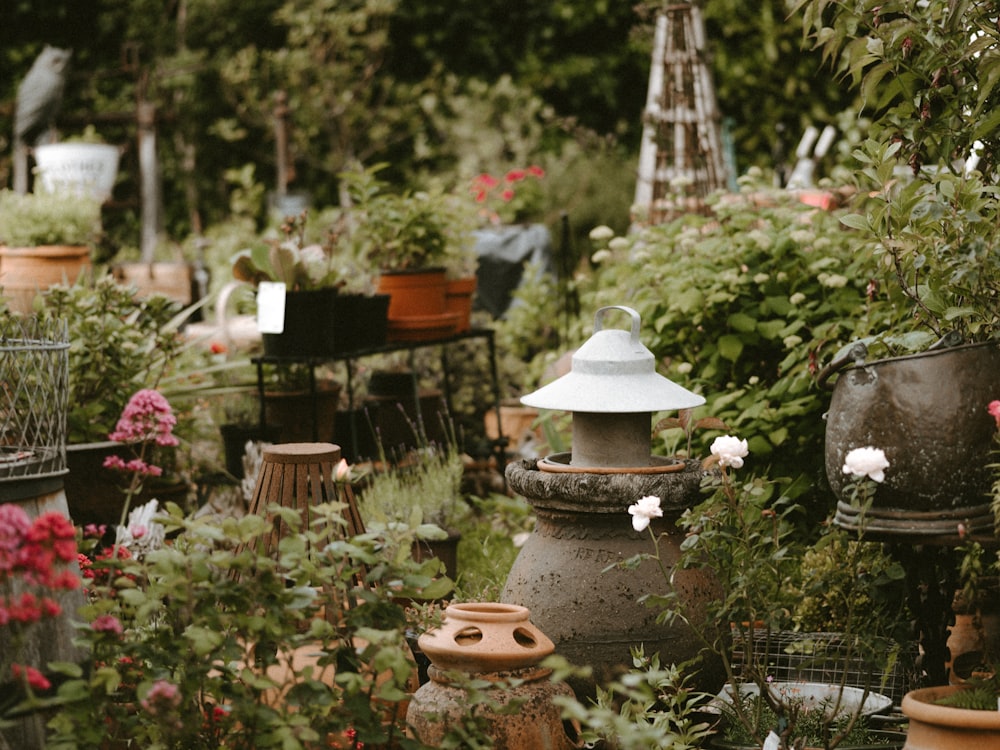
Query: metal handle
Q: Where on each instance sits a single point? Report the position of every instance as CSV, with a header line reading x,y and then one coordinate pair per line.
x,y
636,320
852,355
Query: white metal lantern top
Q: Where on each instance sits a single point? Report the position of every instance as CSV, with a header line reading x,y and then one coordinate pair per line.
x,y
613,373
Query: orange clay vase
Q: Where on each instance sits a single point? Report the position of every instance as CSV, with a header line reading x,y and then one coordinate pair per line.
x,y
497,643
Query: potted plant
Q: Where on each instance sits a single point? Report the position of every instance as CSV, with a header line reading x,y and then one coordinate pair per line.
x,y
45,239
80,165
925,213
313,271
415,240
300,403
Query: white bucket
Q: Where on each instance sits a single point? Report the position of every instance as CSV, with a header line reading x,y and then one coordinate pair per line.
x,y
78,168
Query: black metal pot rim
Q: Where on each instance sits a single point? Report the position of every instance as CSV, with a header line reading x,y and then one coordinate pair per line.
x,y
929,353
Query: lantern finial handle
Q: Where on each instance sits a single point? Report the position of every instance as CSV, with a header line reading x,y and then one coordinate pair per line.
x,y
636,320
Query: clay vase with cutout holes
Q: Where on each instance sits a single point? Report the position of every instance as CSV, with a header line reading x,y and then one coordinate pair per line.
x,y
485,637
495,643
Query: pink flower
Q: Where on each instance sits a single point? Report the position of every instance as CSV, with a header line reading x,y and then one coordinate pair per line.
x,y
94,531
147,416
107,624
343,471
162,696
994,410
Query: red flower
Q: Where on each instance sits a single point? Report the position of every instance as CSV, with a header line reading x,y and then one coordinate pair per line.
x,y
33,677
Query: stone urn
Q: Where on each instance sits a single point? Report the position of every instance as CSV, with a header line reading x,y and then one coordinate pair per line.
x,y
571,572
496,643
567,572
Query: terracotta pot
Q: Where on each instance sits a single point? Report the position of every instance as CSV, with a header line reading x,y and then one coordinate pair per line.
x,y
485,637
414,294
495,643
928,413
26,271
173,280
459,295
935,727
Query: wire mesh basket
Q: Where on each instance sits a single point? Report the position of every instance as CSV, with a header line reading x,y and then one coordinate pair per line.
x,y
34,387
825,658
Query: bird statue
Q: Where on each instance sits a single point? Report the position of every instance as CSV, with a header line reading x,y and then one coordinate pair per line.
x,y
39,98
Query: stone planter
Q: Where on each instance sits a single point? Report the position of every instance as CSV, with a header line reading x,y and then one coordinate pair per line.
x,y
566,574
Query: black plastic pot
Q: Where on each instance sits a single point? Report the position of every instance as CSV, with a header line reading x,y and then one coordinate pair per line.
x,y
310,325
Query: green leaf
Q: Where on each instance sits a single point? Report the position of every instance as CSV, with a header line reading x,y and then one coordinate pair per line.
x,y
202,639
730,347
741,322
855,221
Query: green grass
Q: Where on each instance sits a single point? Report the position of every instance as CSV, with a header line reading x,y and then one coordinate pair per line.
x,y
487,550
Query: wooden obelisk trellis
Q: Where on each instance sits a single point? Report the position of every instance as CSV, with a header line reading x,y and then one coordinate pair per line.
x,y
681,158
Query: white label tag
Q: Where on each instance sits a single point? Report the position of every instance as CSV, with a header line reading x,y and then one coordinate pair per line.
x,y
271,307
